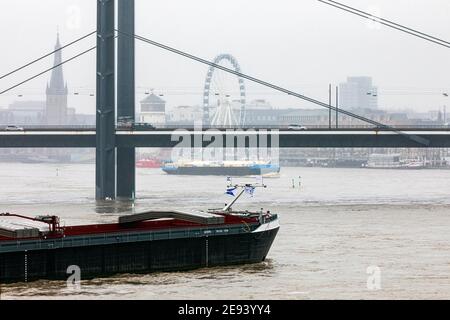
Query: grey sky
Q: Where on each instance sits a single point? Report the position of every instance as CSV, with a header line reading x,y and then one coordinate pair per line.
x,y
303,45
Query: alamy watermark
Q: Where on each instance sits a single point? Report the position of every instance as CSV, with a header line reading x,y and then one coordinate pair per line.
x,y
73,21
74,280
374,278
225,145
374,23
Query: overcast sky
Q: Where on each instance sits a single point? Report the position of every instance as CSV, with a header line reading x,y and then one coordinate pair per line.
x,y
301,44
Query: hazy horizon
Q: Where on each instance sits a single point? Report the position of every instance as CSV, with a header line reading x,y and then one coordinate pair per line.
x,y
301,45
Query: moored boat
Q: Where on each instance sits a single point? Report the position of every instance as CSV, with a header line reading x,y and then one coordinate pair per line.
x,y
392,161
148,163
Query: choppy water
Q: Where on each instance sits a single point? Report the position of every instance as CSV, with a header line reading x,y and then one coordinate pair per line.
x,y
340,222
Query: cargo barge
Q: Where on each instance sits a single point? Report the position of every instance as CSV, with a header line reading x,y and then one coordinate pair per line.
x,y
139,243
225,168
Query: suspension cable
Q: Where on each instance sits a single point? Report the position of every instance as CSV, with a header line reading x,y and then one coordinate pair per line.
x,y
387,23
275,87
47,70
46,55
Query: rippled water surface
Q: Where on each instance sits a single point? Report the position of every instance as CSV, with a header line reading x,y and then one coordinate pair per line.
x,y
335,226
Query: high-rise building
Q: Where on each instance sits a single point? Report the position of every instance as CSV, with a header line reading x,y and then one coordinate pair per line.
x,y
56,104
358,93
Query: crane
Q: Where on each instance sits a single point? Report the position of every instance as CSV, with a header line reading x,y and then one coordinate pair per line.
x,y
52,221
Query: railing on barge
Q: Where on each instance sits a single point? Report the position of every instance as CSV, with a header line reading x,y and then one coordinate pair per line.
x,y
115,238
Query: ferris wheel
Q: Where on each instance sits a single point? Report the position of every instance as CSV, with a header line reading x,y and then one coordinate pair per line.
x,y
224,96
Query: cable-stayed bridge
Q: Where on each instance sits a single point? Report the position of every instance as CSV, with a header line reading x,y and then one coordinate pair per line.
x,y
115,149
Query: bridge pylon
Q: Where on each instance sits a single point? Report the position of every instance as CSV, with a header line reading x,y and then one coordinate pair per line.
x,y
126,156
105,171
115,169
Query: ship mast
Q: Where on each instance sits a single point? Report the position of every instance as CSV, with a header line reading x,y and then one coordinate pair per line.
x,y
243,187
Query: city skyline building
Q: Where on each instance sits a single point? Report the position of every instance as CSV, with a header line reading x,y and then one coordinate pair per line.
x,y
153,110
358,93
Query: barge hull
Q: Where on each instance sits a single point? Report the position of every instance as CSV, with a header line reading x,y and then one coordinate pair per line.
x,y
221,171
136,257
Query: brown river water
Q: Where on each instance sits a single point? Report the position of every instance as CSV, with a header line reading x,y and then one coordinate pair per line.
x,y
339,223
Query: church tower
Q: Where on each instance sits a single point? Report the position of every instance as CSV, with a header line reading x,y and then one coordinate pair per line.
x,y
56,104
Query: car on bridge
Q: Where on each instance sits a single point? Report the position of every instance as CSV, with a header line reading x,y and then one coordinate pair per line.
x,y
127,124
13,128
297,127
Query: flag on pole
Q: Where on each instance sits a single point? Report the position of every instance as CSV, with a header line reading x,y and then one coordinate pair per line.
x,y
250,190
231,191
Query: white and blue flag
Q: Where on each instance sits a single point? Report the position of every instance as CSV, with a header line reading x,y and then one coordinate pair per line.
x,y
231,191
250,190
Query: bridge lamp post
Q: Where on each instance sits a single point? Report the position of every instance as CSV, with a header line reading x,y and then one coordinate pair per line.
x,y
445,94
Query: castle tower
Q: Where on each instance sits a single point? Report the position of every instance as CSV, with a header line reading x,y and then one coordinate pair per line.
x,y
56,104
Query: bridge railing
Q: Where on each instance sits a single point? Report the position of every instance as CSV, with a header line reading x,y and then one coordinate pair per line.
x,y
146,127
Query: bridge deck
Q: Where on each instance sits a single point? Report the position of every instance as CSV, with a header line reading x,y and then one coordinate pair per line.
x,y
344,138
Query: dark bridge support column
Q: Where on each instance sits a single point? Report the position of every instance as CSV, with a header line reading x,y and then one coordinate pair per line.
x,y
126,157
105,116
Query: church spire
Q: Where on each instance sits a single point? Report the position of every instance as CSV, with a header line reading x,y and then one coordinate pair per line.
x,y
56,104
57,85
